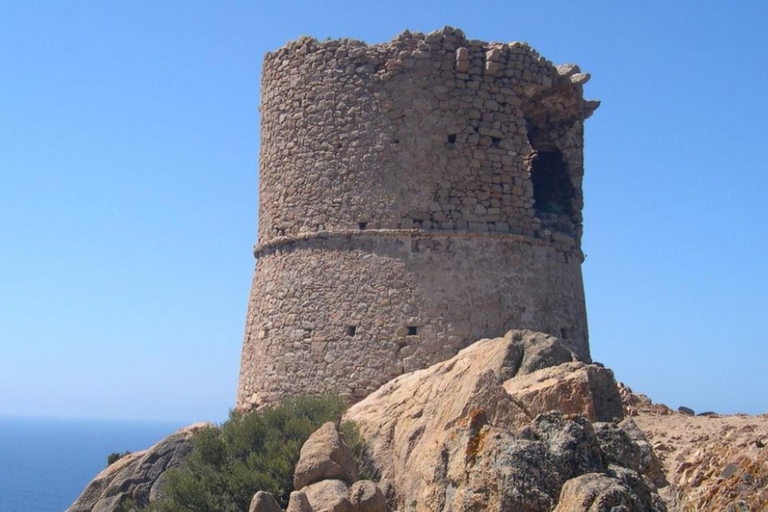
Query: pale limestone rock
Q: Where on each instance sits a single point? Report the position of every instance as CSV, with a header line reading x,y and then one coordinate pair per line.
x,y
325,455
264,502
493,54
568,69
579,78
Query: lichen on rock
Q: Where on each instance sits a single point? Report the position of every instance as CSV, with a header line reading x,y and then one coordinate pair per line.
x,y
450,437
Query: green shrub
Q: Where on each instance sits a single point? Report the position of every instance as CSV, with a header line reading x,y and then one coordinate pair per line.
x,y
126,504
115,456
359,452
249,453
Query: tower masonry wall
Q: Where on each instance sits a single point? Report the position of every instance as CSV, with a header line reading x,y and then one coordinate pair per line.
x,y
415,196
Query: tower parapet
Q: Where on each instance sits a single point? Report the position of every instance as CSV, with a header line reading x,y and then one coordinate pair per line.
x,y
415,196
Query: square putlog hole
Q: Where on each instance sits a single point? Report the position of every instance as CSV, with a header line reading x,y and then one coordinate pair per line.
x,y
351,330
413,330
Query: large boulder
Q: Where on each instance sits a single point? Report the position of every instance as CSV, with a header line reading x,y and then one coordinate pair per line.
x,y
264,502
598,492
367,497
325,455
323,475
504,425
137,477
329,495
625,444
572,388
298,502
482,467
537,351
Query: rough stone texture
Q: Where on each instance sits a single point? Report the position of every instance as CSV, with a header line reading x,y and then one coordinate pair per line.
x,y
596,492
572,388
539,351
264,502
298,502
325,469
367,497
449,437
388,489
137,476
325,455
637,403
649,464
330,495
713,462
415,196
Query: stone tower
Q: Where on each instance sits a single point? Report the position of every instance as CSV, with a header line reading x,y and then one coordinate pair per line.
x,y
415,196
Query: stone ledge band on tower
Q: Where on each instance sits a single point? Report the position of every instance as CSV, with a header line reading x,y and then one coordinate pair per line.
x,y
278,242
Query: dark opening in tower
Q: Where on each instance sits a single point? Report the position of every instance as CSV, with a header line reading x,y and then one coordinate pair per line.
x,y
552,187
553,190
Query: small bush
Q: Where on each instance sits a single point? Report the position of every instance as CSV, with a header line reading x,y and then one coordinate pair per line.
x,y
249,453
126,504
115,456
359,451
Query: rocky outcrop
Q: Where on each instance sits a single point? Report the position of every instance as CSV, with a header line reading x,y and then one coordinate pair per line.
x,y
298,502
135,479
264,502
509,424
571,388
337,496
325,456
367,497
504,425
323,475
713,462
617,490
625,444
330,495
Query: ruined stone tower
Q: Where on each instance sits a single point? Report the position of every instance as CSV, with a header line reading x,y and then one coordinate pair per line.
x,y
415,196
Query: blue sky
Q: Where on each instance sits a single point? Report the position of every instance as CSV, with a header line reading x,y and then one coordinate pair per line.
x,y
128,189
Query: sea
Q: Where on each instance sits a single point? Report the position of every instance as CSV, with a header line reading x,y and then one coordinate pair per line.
x,y
46,463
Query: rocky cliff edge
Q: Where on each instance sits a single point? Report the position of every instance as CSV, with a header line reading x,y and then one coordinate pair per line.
x,y
509,424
